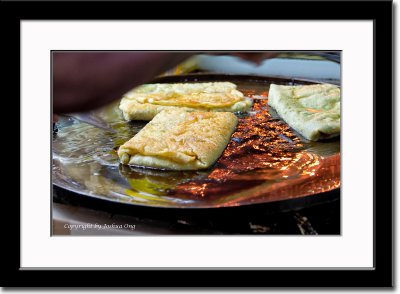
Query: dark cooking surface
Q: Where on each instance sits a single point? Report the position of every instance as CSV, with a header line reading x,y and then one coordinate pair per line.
x,y
265,162
321,219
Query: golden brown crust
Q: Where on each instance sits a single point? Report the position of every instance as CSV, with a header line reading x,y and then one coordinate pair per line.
x,y
180,140
144,102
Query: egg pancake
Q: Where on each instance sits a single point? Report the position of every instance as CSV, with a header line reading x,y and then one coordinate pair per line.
x,y
178,140
144,102
311,110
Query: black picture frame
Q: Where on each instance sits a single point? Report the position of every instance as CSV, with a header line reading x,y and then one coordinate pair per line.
x,y
378,11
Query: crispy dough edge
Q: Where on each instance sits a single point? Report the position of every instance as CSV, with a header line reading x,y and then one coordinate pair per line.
x,y
165,163
311,130
133,110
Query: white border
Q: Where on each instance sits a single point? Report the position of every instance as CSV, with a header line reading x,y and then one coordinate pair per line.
x,y
353,249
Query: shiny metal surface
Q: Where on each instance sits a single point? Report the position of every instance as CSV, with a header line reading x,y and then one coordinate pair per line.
x,y
91,119
265,161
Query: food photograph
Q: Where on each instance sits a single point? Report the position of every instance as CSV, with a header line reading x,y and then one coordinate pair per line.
x,y
196,143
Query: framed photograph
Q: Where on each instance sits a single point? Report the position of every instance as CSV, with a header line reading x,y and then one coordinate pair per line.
x,y
246,143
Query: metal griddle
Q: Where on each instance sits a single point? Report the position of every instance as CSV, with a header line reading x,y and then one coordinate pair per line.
x,y
85,164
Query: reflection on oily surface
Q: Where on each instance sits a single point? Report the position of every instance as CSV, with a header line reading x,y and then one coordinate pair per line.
x,y
264,161
152,181
262,149
92,177
324,179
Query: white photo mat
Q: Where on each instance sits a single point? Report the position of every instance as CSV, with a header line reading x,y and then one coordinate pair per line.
x,y
353,249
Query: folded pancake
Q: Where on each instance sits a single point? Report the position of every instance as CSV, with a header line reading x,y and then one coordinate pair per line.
x,y
144,102
180,140
311,110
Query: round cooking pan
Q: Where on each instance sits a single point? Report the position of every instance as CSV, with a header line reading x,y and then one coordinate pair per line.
x,y
266,164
